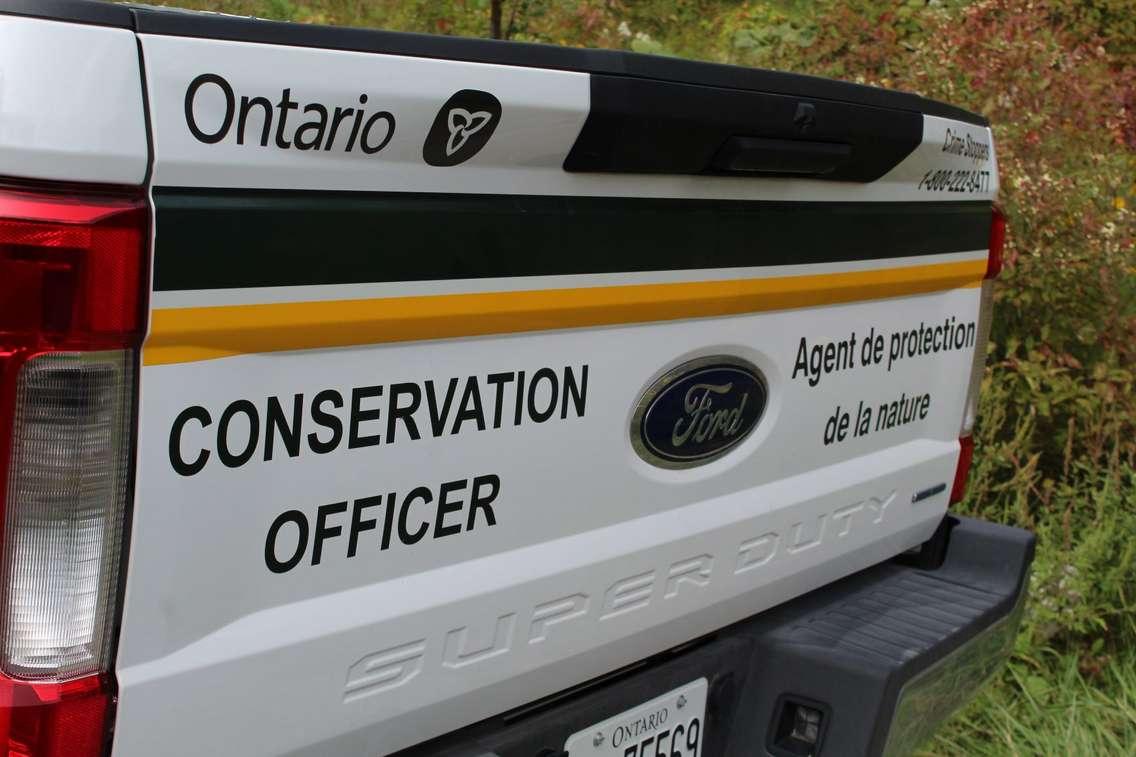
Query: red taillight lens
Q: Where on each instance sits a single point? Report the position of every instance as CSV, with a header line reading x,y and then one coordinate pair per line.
x,y
962,470
72,299
978,364
70,271
55,719
997,243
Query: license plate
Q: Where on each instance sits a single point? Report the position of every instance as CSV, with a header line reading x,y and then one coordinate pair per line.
x,y
670,725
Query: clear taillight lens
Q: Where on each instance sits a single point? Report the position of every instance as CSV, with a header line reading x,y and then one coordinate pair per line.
x,y
67,492
72,316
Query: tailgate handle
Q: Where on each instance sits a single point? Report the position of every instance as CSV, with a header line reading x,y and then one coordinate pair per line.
x,y
647,126
758,155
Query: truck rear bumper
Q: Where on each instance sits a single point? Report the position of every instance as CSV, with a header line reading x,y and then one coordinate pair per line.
x,y
880,659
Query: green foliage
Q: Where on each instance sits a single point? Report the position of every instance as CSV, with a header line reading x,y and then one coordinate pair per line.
x,y
1050,705
1113,22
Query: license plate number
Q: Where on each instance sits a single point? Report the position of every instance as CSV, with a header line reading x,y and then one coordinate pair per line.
x,y
671,725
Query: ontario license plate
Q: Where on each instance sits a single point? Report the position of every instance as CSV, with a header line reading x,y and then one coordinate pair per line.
x,y
670,725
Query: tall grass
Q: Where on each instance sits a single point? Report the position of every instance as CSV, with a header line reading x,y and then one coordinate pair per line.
x,y
1048,707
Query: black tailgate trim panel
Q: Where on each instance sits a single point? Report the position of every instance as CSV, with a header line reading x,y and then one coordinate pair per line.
x,y
180,23
645,126
188,24
223,238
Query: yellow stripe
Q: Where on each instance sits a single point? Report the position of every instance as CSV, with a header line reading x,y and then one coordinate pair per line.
x,y
181,335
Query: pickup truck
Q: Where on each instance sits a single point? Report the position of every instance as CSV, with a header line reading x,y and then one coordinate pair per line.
x,y
367,393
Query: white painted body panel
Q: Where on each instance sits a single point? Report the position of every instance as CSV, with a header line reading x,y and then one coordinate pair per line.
x,y
543,112
70,103
597,559
209,631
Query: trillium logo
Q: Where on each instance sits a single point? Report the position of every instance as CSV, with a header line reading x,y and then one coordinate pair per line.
x,y
462,127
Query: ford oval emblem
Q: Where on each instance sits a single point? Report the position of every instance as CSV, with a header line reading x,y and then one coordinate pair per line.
x,y
698,411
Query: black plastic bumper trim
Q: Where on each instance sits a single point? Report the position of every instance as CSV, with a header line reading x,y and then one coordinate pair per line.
x,y
847,648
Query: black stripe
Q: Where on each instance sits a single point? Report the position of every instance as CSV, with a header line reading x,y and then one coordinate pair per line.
x,y
181,23
214,239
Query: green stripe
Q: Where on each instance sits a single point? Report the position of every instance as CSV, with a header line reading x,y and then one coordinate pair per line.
x,y
218,239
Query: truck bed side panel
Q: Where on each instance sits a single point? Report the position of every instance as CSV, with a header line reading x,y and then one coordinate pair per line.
x,y
70,103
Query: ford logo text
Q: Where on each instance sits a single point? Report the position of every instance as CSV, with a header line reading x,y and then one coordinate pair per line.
x,y
698,411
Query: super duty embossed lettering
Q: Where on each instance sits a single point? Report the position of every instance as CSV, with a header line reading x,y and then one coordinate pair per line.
x,y
511,632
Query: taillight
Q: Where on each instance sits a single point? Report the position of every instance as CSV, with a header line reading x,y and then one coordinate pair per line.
x,y
997,242
72,317
978,365
962,470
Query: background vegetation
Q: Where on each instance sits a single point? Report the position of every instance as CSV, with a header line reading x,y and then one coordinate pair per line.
x,y
1057,436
